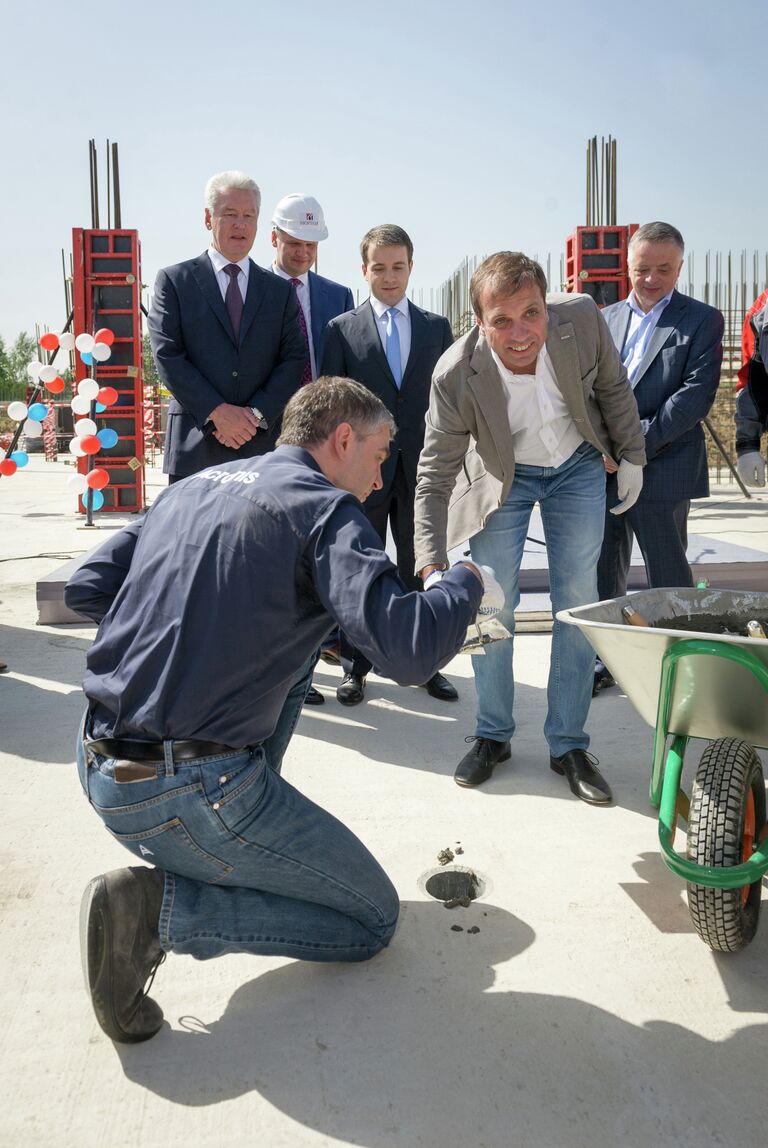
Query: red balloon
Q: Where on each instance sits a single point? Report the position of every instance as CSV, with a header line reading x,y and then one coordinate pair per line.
x,y
97,478
56,386
107,396
49,341
90,444
104,335
7,467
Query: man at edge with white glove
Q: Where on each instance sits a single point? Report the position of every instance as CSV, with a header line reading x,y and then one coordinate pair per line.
x,y
522,409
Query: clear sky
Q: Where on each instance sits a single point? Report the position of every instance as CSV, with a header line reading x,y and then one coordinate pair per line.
x,y
464,123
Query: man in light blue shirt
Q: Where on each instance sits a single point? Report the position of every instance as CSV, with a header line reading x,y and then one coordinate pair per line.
x,y
672,348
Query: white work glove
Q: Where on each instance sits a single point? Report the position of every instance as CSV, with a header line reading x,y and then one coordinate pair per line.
x,y
493,595
630,483
751,468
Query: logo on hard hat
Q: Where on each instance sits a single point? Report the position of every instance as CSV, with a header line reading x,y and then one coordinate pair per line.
x,y
301,216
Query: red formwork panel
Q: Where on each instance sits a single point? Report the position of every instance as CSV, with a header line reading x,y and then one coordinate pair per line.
x,y
106,292
596,262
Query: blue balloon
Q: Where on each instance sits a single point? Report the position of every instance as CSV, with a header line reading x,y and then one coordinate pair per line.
x,y
107,437
20,457
97,499
100,408
87,358
38,411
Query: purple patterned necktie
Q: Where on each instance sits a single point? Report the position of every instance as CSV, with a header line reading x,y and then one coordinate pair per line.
x,y
307,374
233,299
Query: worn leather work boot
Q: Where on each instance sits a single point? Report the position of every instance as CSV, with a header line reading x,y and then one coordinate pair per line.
x,y
120,949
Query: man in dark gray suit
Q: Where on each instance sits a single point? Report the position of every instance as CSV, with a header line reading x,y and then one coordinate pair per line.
x,y
226,339
391,347
672,348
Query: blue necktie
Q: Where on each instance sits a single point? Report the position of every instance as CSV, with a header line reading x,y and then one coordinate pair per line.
x,y
393,346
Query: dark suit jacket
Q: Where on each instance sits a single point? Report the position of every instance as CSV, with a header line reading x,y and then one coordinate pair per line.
x,y
200,363
353,349
675,388
326,300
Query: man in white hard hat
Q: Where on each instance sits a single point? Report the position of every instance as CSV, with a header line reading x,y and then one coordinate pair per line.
x,y
298,225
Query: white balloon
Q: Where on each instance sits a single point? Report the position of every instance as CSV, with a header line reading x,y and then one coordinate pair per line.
x,y
88,389
76,449
32,428
48,374
84,427
101,352
80,405
67,341
17,410
85,342
34,368
77,483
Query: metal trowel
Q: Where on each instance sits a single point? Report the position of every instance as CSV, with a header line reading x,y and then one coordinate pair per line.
x,y
481,633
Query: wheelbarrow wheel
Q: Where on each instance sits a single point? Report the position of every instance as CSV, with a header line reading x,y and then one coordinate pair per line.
x,y
727,817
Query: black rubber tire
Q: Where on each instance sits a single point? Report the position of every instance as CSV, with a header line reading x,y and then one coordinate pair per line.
x,y
729,769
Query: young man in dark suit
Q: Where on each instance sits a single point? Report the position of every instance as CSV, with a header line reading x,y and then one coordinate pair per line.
x,y
391,347
226,339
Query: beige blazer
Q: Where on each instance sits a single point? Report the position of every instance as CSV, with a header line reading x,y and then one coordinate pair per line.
x,y
467,464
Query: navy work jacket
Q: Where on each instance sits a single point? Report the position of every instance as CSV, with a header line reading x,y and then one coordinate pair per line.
x,y
211,604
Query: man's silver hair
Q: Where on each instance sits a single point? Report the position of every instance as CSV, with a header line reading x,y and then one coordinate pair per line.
x,y
226,181
658,233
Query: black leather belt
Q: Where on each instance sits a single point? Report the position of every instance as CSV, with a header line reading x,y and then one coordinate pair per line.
x,y
128,750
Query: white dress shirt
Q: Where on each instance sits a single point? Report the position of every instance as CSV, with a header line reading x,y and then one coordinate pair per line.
x,y
543,432
642,324
302,292
219,262
403,320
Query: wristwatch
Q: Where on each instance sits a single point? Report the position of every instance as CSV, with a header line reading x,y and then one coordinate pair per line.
x,y
258,415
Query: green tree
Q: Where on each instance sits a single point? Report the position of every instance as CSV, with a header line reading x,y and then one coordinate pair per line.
x,y
23,351
4,371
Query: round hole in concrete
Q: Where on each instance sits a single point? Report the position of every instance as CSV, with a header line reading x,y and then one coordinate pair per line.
x,y
453,883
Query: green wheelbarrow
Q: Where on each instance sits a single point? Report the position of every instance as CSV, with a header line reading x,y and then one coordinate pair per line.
x,y
688,682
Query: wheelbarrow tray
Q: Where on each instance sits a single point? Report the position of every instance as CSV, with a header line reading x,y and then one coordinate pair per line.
x,y
711,697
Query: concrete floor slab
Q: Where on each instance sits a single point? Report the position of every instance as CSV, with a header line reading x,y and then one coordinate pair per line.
x,y
584,1012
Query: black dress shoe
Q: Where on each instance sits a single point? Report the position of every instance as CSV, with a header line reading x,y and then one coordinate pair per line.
x,y
584,779
120,948
352,690
603,680
440,688
331,655
314,697
478,765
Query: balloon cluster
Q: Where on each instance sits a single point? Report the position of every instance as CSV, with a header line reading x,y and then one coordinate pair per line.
x,y
88,439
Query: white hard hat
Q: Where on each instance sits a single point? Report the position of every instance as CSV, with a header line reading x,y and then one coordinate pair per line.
x,y
301,217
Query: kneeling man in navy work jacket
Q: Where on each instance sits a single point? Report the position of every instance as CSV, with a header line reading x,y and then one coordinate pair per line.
x,y
211,611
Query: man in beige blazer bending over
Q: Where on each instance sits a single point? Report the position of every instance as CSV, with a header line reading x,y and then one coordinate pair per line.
x,y
522,409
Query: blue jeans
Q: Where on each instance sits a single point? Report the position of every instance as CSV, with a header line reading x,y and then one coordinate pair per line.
x,y
250,864
572,501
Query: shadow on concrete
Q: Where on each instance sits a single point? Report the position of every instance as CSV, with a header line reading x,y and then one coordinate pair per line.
x,y
39,718
420,1047
408,728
